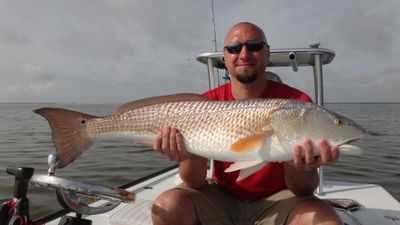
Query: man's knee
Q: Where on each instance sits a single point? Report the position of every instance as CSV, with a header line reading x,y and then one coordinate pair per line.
x,y
174,207
172,199
313,212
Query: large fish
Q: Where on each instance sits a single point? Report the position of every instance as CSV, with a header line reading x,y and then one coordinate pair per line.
x,y
248,132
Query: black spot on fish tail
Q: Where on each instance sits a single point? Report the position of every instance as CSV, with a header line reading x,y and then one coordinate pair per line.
x,y
69,132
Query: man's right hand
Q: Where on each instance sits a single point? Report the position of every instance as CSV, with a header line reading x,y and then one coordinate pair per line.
x,y
192,168
169,142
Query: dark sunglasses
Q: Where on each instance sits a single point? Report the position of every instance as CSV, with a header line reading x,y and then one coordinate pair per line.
x,y
252,46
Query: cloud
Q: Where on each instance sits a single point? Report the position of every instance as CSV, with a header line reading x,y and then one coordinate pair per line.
x,y
81,43
9,37
119,50
368,30
28,82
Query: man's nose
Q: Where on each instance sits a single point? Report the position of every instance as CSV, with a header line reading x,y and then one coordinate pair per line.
x,y
244,53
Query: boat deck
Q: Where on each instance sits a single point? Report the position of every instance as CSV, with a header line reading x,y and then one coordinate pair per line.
x,y
366,204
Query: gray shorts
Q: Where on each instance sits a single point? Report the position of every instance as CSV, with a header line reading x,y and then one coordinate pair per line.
x,y
215,206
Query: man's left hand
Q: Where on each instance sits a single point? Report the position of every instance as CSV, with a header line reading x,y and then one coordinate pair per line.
x,y
304,159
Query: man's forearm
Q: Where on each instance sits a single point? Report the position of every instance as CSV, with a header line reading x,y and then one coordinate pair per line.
x,y
301,182
193,171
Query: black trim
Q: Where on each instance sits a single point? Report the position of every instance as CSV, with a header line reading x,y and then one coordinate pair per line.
x,y
142,179
53,216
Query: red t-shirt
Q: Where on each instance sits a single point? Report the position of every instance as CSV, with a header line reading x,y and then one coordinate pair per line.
x,y
268,179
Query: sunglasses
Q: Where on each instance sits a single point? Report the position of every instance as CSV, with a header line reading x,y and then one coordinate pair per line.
x,y
252,46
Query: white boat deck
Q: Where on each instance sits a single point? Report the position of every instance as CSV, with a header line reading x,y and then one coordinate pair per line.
x,y
376,205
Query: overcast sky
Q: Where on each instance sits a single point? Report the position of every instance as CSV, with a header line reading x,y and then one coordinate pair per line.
x,y
114,51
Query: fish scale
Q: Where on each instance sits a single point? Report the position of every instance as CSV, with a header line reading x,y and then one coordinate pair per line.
x,y
200,121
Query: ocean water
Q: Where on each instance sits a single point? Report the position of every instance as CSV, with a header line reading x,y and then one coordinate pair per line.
x,y
25,141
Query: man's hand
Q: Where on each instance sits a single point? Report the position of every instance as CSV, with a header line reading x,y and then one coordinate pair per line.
x,y
169,142
304,159
301,176
192,168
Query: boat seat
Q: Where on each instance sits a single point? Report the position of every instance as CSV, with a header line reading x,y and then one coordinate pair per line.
x,y
137,213
273,76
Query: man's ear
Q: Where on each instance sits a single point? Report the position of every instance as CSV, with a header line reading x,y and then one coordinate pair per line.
x,y
268,53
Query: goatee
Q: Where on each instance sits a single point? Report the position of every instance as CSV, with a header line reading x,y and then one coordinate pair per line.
x,y
247,78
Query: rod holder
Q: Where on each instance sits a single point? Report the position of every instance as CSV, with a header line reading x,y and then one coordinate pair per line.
x,y
52,161
293,60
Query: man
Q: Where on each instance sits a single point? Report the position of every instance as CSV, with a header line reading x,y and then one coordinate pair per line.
x,y
279,193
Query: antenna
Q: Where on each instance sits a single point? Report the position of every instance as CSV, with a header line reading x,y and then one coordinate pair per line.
x,y
213,21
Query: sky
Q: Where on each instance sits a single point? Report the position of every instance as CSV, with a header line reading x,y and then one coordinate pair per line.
x,y
115,51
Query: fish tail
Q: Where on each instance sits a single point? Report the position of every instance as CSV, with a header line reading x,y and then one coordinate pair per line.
x,y
69,133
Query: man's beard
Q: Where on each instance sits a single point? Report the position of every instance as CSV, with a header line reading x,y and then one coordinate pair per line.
x,y
247,78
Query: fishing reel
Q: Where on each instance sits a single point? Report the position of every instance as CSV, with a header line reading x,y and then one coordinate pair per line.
x,y
16,210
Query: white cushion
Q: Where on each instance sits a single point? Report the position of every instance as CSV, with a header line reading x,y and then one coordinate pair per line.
x,y
137,213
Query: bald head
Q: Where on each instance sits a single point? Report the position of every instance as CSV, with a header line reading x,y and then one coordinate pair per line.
x,y
246,53
242,28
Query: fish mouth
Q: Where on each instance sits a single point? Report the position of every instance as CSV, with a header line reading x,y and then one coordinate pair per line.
x,y
348,141
348,149
358,134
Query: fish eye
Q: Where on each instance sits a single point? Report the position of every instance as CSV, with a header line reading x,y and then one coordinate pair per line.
x,y
338,122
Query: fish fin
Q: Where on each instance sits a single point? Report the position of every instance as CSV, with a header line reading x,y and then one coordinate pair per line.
x,y
249,143
158,100
250,170
242,165
350,150
69,133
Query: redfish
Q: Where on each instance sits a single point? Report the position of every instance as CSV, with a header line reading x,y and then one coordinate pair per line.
x,y
248,132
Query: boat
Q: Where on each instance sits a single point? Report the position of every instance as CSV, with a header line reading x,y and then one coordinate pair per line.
x,y
355,203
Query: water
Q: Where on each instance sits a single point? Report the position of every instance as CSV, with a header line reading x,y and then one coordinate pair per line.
x,y
25,141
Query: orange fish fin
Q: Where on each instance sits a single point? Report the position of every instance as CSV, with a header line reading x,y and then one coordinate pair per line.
x,y
158,100
69,133
249,143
